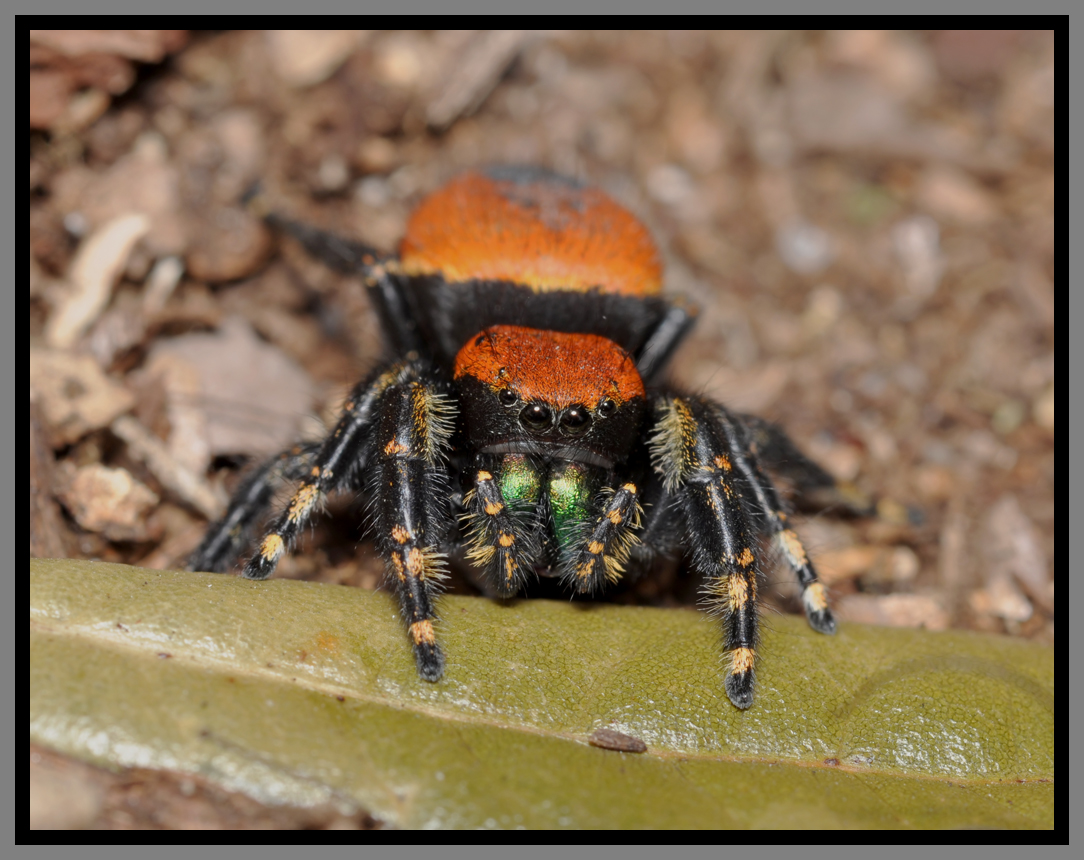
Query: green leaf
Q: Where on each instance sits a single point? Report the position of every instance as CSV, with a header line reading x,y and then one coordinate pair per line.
x,y
303,693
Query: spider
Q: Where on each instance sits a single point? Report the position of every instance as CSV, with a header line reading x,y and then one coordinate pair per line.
x,y
521,417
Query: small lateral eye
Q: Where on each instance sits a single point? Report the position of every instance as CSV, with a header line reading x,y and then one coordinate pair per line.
x,y
507,397
606,408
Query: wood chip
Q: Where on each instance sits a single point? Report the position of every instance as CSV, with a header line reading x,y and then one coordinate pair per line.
x,y
173,552
149,450
249,396
475,74
63,798
952,552
917,243
894,610
1014,553
1042,408
147,46
145,180
94,271
109,501
66,793
74,395
160,284
227,244
303,58
46,522
949,193
1002,598
834,566
179,385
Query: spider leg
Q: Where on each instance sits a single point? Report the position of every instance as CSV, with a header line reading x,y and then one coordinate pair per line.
x,y
396,428
336,252
667,336
502,532
813,486
352,258
342,454
743,452
226,538
606,538
412,516
695,459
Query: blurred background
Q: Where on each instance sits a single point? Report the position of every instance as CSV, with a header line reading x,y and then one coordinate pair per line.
x,y
866,219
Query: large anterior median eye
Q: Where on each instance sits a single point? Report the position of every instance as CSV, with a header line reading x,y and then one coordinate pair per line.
x,y
575,420
537,416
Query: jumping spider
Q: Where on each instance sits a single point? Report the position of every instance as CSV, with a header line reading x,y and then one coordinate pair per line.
x,y
521,416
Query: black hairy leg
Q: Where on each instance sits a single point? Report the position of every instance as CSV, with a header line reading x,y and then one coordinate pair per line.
x,y
228,537
703,456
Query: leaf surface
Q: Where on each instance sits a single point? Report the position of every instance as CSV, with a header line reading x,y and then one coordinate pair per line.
x,y
303,693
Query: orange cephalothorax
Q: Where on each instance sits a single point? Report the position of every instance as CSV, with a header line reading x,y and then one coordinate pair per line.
x,y
556,367
533,228
577,397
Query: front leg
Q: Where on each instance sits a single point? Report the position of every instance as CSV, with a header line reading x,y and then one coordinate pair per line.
x,y
600,531
412,519
334,467
502,522
696,464
394,433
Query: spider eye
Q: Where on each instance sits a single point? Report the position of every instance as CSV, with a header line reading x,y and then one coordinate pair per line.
x,y
537,416
606,408
575,420
507,397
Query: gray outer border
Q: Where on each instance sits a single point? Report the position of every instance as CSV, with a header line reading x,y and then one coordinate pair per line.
x,y
1066,37
1029,13
1069,117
